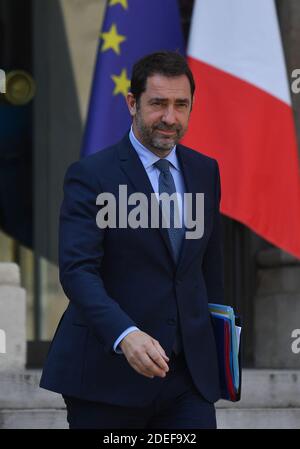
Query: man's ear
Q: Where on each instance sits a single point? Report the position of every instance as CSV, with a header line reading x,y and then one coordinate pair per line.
x,y
131,103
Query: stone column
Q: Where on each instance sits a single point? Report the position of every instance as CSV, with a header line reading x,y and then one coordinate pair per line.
x,y
277,310
289,21
12,319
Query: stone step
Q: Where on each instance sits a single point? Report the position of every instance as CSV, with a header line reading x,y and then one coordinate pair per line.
x,y
263,418
267,388
33,419
260,389
270,399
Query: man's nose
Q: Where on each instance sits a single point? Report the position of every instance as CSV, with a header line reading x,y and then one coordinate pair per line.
x,y
169,116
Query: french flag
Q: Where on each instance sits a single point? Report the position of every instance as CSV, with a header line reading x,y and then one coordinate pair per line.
x,y
242,115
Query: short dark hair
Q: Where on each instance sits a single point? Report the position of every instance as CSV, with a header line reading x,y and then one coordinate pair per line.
x,y
166,63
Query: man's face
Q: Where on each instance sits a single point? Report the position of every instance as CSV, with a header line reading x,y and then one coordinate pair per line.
x,y
160,119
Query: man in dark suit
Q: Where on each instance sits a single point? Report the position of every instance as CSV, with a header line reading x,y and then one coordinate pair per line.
x,y
135,347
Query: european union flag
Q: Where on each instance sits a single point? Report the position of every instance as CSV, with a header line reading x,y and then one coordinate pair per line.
x,y
131,29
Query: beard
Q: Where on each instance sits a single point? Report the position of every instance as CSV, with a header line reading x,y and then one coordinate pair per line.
x,y
151,137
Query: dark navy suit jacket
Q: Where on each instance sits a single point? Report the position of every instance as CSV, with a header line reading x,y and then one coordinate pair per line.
x,y
116,278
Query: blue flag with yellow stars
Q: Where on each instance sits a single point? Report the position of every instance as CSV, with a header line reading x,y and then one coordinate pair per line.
x,y
131,30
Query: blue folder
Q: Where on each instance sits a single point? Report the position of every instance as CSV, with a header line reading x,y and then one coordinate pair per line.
x,y
225,325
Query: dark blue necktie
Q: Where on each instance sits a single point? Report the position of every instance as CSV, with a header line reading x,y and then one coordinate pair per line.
x,y
166,184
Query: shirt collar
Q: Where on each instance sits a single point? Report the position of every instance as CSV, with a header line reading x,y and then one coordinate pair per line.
x,y
147,157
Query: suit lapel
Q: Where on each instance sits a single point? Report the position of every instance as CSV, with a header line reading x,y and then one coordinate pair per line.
x,y
193,184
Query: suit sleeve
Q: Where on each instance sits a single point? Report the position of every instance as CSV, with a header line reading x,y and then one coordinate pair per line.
x,y
213,268
80,255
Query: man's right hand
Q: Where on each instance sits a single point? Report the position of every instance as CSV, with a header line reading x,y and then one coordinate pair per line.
x,y
145,354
